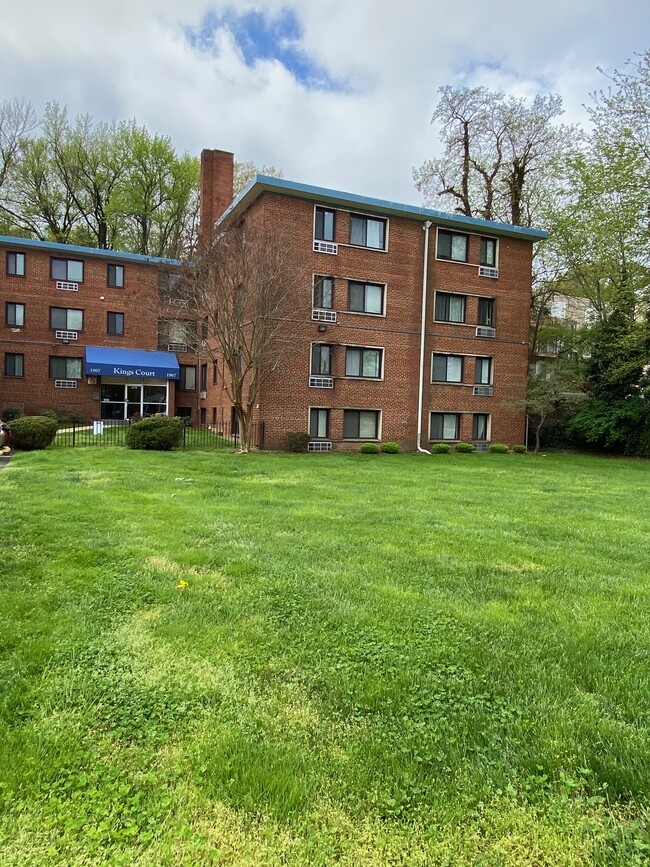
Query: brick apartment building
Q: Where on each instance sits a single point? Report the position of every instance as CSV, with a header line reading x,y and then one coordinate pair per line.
x,y
398,294
418,330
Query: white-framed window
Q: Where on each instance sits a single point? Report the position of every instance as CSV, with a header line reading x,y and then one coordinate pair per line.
x,y
321,359
366,297
364,362
483,371
66,318
452,246
447,368
444,426
324,224
15,264
486,311
367,232
481,426
15,314
68,270
323,292
450,307
361,424
65,368
488,254
319,423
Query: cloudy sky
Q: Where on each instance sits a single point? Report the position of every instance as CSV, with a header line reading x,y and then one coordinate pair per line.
x,y
337,93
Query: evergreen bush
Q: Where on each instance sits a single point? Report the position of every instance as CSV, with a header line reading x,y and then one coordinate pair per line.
x,y
499,449
297,440
519,449
32,432
159,432
369,449
440,449
465,448
390,448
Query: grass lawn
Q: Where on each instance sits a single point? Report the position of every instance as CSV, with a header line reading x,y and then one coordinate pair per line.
x,y
376,660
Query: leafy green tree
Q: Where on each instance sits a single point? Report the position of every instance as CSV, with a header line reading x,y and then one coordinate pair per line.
x,y
246,171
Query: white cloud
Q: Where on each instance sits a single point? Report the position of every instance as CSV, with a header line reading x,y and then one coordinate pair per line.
x,y
123,59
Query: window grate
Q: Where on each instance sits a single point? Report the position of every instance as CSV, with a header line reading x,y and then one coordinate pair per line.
x,y
485,331
483,390
319,446
321,382
69,287
177,347
65,335
481,447
65,383
323,315
326,247
484,271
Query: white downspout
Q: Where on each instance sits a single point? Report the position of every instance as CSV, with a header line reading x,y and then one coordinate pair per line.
x,y
423,324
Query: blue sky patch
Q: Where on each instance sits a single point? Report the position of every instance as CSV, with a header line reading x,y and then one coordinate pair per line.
x,y
260,37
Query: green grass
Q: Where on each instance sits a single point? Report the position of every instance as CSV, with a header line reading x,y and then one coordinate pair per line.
x,y
376,660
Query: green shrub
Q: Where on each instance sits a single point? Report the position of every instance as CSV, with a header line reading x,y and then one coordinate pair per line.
x,y
160,432
10,414
390,448
297,440
369,449
499,449
32,432
440,449
465,448
49,413
519,449
67,419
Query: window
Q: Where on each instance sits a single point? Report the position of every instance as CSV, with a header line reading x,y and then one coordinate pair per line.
x,y
450,308
483,371
488,252
452,246
14,364
65,368
188,378
486,311
66,318
480,426
447,368
360,361
115,276
367,232
15,264
215,373
319,423
324,292
67,269
179,332
321,360
445,425
361,424
15,314
324,224
204,378
115,323
365,297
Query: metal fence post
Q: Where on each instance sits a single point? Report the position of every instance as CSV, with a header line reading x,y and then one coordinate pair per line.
x,y
74,432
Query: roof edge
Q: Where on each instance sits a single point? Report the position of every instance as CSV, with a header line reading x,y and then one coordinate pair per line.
x,y
31,243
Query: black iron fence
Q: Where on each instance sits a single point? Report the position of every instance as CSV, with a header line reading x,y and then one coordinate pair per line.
x,y
112,432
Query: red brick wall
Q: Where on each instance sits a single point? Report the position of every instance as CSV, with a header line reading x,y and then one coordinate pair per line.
x,y
216,189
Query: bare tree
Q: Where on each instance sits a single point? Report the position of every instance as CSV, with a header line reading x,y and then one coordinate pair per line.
x,y
17,120
252,295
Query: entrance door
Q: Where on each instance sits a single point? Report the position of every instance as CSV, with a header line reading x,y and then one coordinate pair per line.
x,y
123,400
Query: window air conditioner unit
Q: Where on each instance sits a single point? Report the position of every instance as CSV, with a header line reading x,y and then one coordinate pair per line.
x,y
321,382
65,383
319,446
203,395
69,287
482,391
482,447
485,331
484,271
177,347
326,247
66,335
323,315
91,380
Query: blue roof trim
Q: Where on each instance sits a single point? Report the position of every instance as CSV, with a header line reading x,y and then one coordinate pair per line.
x,y
140,363
263,183
116,255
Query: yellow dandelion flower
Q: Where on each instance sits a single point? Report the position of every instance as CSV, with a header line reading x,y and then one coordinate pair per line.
x,y
182,584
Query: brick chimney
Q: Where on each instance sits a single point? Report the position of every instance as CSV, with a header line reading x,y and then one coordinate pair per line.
x,y
217,169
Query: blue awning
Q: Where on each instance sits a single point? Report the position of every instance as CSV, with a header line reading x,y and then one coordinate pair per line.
x,y
139,363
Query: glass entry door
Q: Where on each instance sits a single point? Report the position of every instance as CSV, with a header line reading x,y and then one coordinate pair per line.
x,y
125,399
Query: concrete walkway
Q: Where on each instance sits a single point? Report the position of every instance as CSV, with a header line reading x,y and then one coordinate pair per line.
x,y
4,457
